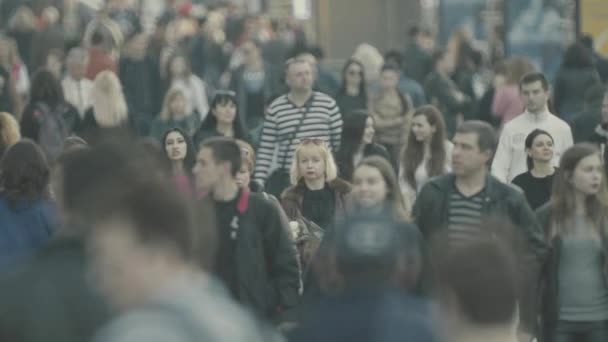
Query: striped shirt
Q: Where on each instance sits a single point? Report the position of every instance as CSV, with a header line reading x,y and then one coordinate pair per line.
x,y
465,216
322,120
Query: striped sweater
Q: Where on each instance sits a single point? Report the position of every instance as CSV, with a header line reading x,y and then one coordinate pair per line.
x,y
322,120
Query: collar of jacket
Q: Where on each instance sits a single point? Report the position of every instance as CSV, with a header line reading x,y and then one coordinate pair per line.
x,y
296,192
444,184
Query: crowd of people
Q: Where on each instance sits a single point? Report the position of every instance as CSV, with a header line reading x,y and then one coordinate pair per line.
x,y
208,177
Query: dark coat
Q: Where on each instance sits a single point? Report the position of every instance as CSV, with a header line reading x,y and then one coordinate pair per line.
x,y
51,298
502,203
584,124
141,83
550,275
204,133
293,198
26,227
266,263
417,62
570,88
272,88
440,91
30,124
93,134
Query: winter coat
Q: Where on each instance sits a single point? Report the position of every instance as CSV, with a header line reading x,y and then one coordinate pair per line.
x,y
570,88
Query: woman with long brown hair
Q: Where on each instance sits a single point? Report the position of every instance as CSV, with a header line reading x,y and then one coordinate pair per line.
x,y
427,154
575,300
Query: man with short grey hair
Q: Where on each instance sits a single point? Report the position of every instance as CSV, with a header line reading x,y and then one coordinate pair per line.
x,y
76,86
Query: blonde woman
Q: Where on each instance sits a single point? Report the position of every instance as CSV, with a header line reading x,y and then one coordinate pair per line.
x,y
316,192
9,132
108,110
174,114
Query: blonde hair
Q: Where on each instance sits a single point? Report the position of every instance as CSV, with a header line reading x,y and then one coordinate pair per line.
x,y
331,170
165,113
9,130
108,100
247,154
23,19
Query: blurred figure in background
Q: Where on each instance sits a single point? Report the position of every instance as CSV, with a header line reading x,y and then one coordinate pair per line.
x,y
374,260
507,102
10,132
477,292
418,62
174,114
584,123
179,74
28,215
11,61
100,56
576,75
357,143
352,94
406,85
76,87
600,62
223,120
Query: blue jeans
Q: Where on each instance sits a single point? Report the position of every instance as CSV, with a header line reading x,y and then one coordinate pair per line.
x,y
569,331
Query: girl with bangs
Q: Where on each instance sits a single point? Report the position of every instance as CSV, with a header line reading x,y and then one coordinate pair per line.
x,y
174,114
223,120
575,297
316,193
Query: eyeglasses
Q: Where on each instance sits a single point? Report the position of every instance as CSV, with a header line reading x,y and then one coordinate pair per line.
x,y
316,141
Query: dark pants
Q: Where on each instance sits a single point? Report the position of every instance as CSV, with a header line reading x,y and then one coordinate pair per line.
x,y
568,331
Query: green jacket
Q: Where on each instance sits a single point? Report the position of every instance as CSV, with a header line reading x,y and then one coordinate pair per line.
x,y
502,202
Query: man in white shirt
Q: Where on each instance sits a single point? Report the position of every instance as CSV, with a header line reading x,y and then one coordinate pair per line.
x,y
510,158
76,87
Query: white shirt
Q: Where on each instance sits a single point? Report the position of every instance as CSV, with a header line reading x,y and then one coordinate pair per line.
x,y
77,93
510,158
421,174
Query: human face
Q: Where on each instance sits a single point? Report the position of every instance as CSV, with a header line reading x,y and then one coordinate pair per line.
x,y
422,129
369,188
175,146
542,149
467,158
225,112
300,77
207,171
368,133
251,53
534,96
605,109
178,105
587,176
389,79
243,177
353,74
53,64
119,264
311,164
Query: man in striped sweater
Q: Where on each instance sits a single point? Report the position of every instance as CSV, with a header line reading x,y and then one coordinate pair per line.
x,y
301,113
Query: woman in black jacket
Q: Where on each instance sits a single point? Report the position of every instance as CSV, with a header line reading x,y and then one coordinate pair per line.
x,y
575,297
222,120
353,93
357,143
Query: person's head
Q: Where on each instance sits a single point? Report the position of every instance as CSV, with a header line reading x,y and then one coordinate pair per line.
x,y
179,66
389,76
217,163
137,46
108,100
581,174
174,104
353,73
443,61
428,129
474,145
534,89
178,148
312,161
76,62
24,19
243,177
394,57
477,288
9,53
577,56
252,52
373,251
24,172
147,237
516,68
54,62
299,75
539,148
224,107
46,88
587,41
375,186
9,132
